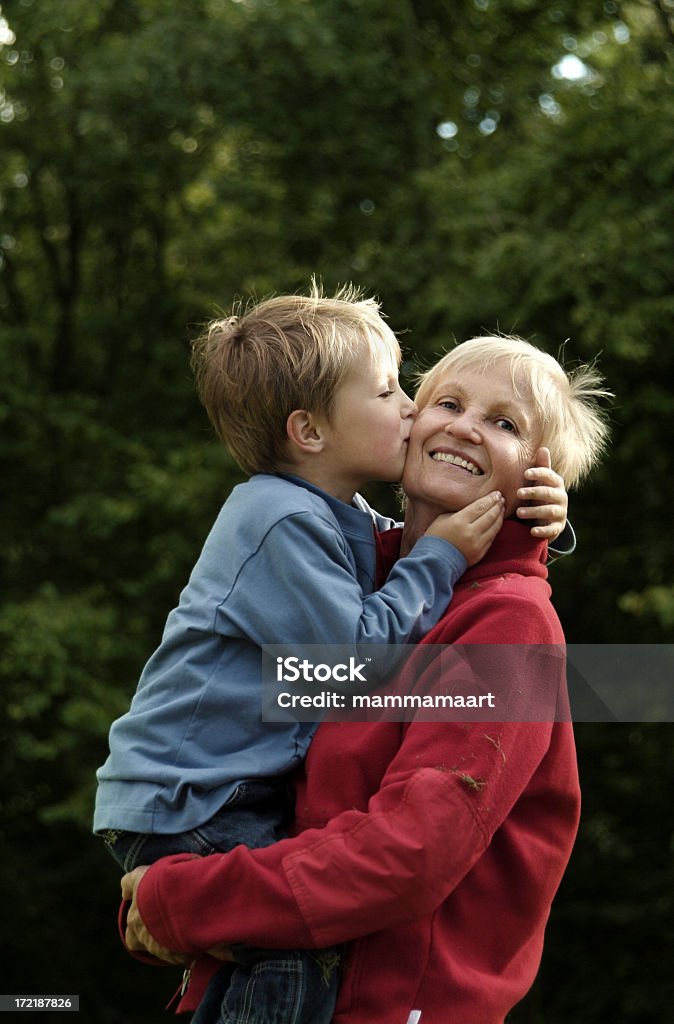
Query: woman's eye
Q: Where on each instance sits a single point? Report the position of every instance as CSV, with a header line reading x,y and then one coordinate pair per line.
x,y
506,425
449,403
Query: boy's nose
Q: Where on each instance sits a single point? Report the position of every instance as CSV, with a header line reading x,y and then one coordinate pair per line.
x,y
409,408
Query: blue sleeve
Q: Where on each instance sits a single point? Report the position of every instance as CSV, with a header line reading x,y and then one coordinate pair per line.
x,y
299,586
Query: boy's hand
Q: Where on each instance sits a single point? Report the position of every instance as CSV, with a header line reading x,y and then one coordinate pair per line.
x,y
548,500
473,529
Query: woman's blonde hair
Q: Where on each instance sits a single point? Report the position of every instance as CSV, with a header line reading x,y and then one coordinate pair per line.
x,y
256,366
567,402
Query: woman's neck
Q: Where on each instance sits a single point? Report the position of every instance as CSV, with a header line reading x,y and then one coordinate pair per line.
x,y
418,518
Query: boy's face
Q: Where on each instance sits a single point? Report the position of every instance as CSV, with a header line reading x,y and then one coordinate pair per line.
x,y
366,438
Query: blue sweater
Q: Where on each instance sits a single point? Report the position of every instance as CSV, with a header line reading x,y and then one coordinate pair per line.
x,y
284,563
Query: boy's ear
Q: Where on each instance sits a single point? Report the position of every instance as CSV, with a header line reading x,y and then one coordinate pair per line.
x,y
304,430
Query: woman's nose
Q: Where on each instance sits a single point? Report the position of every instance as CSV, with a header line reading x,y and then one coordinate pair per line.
x,y
465,426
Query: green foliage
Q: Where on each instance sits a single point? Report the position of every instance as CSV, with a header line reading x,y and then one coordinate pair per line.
x,y
612,922
58,673
159,161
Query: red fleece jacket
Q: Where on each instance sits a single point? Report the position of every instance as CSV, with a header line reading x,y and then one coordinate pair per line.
x,y
433,849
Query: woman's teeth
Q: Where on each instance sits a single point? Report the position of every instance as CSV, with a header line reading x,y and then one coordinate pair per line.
x,y
457,461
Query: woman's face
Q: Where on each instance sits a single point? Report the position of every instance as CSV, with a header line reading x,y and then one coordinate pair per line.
x,y
475,435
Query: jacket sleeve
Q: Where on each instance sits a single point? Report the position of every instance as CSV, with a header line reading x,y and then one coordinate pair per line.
x,y
444,794
364,871
303,570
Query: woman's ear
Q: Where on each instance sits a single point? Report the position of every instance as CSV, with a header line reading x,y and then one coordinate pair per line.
x,y
305,431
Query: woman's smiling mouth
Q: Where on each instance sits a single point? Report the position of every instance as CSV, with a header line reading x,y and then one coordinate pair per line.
x,y
457,460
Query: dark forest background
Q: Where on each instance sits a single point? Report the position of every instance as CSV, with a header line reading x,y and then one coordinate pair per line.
x,y
479,165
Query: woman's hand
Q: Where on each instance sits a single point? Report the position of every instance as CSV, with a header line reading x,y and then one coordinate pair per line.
x,y
547,499
138,938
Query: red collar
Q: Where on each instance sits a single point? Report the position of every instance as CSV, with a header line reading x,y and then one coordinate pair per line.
x,y
514,550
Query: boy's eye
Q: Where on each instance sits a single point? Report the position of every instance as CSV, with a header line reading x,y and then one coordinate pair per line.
x,y
386,393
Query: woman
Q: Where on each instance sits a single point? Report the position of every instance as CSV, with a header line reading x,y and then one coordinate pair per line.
x,y
433,849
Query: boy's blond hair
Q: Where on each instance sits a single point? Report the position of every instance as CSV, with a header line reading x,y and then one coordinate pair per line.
x,y
289,352
567,402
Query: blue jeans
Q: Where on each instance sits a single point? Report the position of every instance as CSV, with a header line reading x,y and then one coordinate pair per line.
x,y
265,986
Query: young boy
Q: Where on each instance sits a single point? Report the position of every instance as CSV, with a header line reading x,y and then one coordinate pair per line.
x,y
304,392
